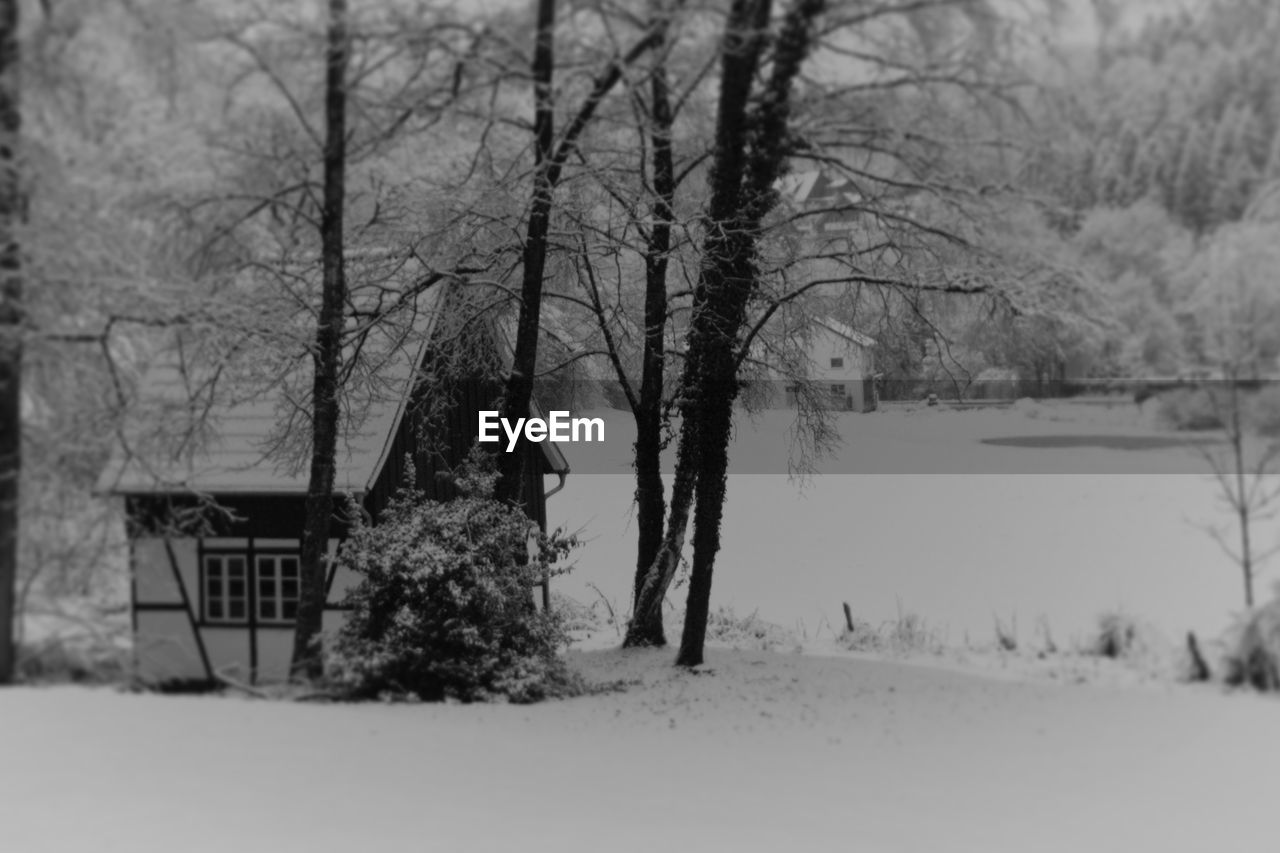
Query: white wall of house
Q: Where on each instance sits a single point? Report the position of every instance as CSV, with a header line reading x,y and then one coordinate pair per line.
x,y
839,366
170,629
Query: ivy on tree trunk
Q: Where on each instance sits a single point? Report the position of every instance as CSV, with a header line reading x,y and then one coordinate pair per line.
x,y
651,503
751,149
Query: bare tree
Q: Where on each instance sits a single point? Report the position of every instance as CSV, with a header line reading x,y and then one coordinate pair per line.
x,y
1238,309
550,156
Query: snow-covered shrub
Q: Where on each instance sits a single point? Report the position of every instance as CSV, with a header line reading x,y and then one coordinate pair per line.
x,y
573,614
1140,645
445,606
61,660
1189,409
1116,636
1253,648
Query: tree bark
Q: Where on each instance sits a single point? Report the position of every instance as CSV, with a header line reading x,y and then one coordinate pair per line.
x,y
735,278
750,155
327,356
651,503
11,212
744,35
549,160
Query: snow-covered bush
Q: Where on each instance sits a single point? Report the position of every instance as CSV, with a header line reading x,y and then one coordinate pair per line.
x,y
1116,637
445,606
62,659
1191,409
1135,642
1253,648
574,615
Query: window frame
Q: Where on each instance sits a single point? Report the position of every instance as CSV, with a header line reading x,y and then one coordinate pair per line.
x,y
837,362
278,580
223,597
216,601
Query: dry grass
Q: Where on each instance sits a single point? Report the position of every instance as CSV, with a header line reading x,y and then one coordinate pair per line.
x,y
906,634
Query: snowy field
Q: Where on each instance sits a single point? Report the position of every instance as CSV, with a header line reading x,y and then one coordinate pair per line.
x,y
763,752
916,512
806,746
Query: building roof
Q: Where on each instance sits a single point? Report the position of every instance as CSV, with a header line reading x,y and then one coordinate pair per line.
x,y
253,438
846,332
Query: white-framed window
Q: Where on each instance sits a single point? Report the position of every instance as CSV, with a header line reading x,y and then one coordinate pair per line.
x,y
226,588
837,391
229,578
277,587
837,362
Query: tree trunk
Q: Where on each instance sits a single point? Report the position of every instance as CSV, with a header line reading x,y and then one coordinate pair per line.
x,y
11,211
519,387
733,278
742,45
1242,500
750,153
327,357
714,437
651,503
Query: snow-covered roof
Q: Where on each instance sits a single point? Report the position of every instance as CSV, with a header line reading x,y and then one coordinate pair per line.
x,y
846,332
240,440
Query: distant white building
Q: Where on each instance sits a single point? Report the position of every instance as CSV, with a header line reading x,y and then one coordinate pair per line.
x,y
842,363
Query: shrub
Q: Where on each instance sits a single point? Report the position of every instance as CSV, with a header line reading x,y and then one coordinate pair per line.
x,y
1264,411
1116,637
1189,409
445,605
1253,648
60,660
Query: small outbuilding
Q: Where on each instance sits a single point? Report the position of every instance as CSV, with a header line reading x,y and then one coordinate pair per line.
x,y
215,522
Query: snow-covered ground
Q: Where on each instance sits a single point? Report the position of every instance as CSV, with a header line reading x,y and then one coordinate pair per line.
x,y
762,751
806,745
918,512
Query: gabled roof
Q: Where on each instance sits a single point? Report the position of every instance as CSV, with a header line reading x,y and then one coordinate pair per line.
x,y
847,332
244,446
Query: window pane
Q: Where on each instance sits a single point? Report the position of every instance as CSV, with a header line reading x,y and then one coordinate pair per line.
x,y
837,362
266,588
290,609
266,610
289,589
235,588
213,566
215,609
289,567
215,588
235,567
236,609
266,567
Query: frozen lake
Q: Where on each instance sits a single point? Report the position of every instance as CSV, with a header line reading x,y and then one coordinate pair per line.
x,y
1058,513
